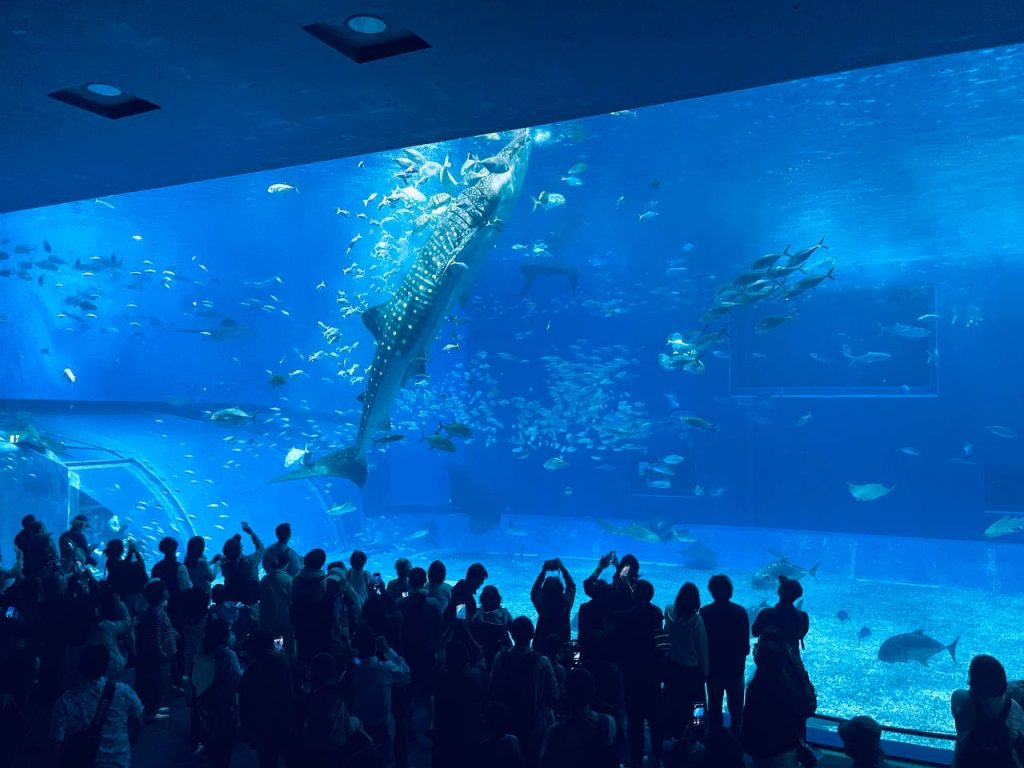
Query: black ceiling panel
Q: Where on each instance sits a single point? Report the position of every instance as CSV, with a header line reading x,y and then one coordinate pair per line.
x,y
243,87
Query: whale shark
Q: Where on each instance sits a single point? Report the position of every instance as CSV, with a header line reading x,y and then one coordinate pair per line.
x,y
443,271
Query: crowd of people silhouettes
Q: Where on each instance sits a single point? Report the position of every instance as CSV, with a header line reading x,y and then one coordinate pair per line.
x,y
325,664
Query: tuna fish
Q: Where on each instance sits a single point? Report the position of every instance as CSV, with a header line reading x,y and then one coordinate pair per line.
x,y
867,357
798,258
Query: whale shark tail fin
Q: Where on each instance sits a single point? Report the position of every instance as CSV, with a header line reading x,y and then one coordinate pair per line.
x,y
345,463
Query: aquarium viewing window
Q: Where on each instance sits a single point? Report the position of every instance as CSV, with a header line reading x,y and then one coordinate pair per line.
x,y
709,333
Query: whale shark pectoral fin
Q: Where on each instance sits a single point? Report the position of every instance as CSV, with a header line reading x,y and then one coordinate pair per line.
x,y
302,473
417,367
374,318
346,463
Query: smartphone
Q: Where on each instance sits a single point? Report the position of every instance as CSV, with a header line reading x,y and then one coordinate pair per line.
x,y
405,594
278,644
377,579
10,612
624,573
460,611
698,714
576,657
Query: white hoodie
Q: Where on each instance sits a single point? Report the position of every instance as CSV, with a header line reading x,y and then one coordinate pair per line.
x,y
689,640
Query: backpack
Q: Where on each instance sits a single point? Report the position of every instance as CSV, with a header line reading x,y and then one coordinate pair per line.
x,y
987,743
795,669
810,695
492,637
328,725
330,733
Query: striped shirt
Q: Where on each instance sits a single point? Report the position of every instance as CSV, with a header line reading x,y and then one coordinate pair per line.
x,y
155,637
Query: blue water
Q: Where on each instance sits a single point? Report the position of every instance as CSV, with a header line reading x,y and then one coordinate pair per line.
x,y
911,173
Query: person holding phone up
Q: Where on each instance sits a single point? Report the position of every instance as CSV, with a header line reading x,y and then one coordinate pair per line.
x,y
553,599
464,594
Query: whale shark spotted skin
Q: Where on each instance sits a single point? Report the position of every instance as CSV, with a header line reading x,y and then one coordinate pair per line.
x,y
404,327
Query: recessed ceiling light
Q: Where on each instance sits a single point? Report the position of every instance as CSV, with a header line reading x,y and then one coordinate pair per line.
x,y
102,99
102,89
365,24
364,38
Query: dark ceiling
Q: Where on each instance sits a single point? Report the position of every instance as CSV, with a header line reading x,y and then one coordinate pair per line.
x,y
242,87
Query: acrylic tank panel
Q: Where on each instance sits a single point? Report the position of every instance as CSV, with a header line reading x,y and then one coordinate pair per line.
x,y
628,369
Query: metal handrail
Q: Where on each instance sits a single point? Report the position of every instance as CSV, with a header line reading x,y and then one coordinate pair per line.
x,y
894,729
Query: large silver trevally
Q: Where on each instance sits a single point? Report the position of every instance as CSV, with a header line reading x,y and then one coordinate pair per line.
x,y
768,576
913,646
444,270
